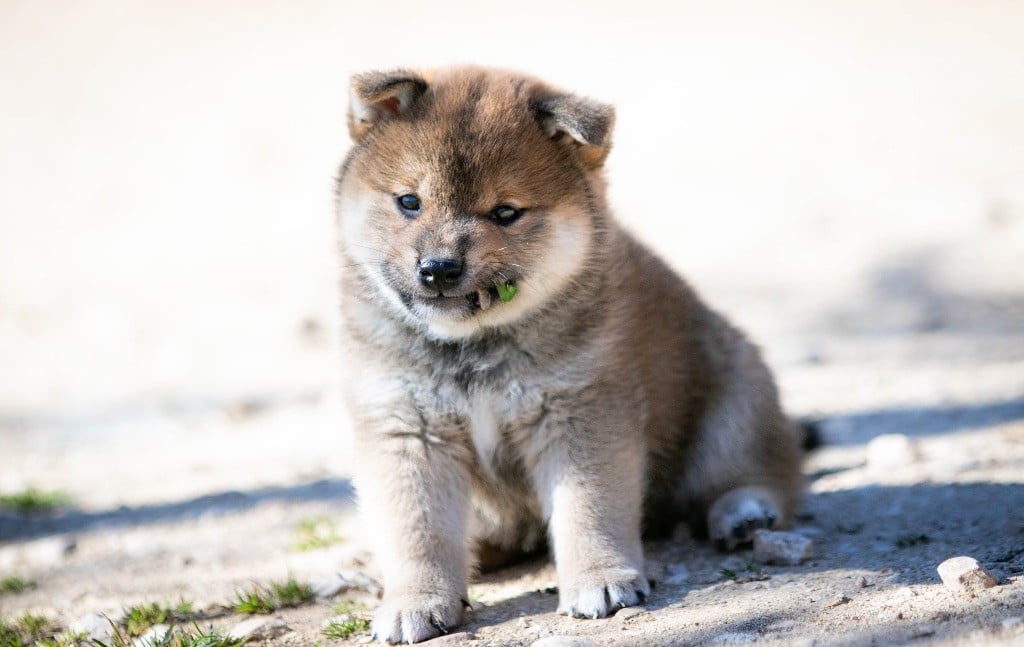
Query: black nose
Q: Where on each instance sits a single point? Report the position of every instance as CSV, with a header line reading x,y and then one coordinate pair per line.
x,y
440,273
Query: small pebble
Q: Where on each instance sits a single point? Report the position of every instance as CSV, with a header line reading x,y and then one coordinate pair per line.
x,y
259,629
837,601
343,581
965,575
890,451
906,592
451,639
630,612
862,582
95,626
1011,623
784,548
40,553
153,636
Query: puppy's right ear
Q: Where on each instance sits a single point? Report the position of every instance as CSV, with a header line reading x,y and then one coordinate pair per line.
x,y
377,96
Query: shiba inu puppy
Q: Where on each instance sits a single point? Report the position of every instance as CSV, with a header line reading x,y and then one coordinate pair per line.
x,y
520,369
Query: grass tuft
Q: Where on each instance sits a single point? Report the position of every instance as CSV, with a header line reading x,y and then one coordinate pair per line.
x,y
15,584
292,593
10,636
277,595
906,541
63,639
195,637
355,622
33,501
255,600
317,532
33,625
25,630
342,629
141,617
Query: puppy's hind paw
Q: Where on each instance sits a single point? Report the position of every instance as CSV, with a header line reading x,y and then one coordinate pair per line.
x,y
415,618
734,517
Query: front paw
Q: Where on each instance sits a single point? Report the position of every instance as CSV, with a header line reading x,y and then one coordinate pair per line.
x,y
599,593
412,618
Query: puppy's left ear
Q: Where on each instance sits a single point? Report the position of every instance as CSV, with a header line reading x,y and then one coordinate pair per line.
x,y
377,96
585,123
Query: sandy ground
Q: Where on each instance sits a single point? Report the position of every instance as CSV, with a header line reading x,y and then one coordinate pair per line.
x,y
846,182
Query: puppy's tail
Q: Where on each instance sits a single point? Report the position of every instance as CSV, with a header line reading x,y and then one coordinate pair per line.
x,y
810,433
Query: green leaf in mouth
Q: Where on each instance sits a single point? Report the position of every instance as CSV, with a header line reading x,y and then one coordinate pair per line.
x,y
507,292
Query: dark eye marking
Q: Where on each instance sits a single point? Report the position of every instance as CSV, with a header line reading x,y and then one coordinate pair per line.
x,y
409,204
505,214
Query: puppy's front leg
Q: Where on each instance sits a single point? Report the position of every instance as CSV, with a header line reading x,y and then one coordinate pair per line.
x,y
414,491
590,482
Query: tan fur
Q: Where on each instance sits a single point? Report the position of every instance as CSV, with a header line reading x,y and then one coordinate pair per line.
x,y
604,398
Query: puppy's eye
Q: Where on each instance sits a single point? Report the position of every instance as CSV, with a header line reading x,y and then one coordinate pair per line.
x,y
505,214
409,204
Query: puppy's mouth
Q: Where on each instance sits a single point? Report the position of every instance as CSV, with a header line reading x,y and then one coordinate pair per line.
x,y
481,300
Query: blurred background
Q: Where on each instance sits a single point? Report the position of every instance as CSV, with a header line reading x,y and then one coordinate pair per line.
x,y
844,179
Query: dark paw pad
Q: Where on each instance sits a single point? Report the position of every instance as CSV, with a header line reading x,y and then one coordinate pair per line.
x,y
744,530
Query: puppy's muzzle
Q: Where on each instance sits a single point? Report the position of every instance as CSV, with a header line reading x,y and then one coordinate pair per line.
x,y
441,274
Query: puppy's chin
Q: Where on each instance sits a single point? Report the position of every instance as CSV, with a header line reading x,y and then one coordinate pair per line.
x,y
448,324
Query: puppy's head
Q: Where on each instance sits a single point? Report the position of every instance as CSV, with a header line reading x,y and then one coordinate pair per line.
x,y
469,198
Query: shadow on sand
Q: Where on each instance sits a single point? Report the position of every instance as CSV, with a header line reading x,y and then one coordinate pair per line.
x,y
19,527
932,521
859,428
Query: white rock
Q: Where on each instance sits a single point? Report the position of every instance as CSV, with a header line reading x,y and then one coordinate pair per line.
x,y
785,548
329,586
41,553
890,451
346,580
450,639
630,612
1013,623
563,641
152,636
965,575
93,625
905,593
259,629
837,600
